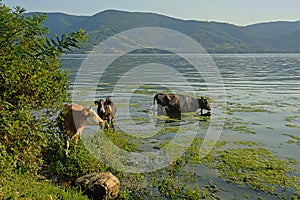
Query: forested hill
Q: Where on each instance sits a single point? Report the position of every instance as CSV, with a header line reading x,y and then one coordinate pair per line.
x,y
215,37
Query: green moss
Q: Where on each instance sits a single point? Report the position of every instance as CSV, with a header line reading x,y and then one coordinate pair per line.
x,y
292,118
246,143
236,107
238,125
244,130
270,128
197,155
292,126
256,167
295,139
151,90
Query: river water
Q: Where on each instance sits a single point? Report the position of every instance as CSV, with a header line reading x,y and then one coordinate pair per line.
x,y
259,94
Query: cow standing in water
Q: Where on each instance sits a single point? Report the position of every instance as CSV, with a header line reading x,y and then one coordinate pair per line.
x,y
106,110
176,104
73,120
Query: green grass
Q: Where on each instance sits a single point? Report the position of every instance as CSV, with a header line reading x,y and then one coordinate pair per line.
x,y
24,186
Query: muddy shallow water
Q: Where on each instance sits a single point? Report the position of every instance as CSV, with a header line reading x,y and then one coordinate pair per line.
x,y
262,105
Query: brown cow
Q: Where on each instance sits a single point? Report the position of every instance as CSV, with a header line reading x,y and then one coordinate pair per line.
x,y
73,120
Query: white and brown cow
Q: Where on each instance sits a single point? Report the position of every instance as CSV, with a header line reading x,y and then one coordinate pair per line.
x,y
106,110
73,120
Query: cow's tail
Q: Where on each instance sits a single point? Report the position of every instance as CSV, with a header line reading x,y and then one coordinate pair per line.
x,y
155,98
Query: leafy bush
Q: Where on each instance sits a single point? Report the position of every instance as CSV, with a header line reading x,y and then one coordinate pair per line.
x,y
33,86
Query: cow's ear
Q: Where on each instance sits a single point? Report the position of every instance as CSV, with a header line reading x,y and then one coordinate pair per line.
x,y
168,97
90,108
85,112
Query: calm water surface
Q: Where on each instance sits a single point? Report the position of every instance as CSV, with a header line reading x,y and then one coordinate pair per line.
x,y
262,92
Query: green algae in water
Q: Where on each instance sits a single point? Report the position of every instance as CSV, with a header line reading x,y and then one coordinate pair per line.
x,y
292,120
292,126
151,90
236,107
295,139
238,125
258,168
246,143
270,128
244,129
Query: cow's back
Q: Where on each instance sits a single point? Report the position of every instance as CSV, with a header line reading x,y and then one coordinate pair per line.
x,y
113,107
74,118
188,104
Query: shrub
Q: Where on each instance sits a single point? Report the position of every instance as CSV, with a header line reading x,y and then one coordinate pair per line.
x,y
33,86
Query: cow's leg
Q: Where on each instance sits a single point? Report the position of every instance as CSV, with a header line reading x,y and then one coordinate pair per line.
x,y
112,124
109,122
75,142
75,138
67,144
77,135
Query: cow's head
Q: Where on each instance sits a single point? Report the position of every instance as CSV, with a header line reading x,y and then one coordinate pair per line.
x,y
172,100
166,100
92,117
100,103
160,99
105,110
204,103
171,104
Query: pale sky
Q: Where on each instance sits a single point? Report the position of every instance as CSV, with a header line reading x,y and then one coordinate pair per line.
x,y
238,12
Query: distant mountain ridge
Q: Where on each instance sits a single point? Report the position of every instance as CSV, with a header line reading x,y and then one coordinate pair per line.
x,y
215,37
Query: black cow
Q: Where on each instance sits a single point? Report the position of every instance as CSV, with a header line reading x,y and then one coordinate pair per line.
x,y
106,110
175,104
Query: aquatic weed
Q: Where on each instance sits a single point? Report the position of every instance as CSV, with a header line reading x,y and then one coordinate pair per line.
x,y
292,120
237,107
255,167
295,139
246,143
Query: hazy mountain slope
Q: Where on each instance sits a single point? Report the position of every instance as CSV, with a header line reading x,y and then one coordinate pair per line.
x,y
274,29
281,36
213,36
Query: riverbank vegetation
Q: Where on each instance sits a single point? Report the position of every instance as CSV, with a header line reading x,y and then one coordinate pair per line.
x,y
33,88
